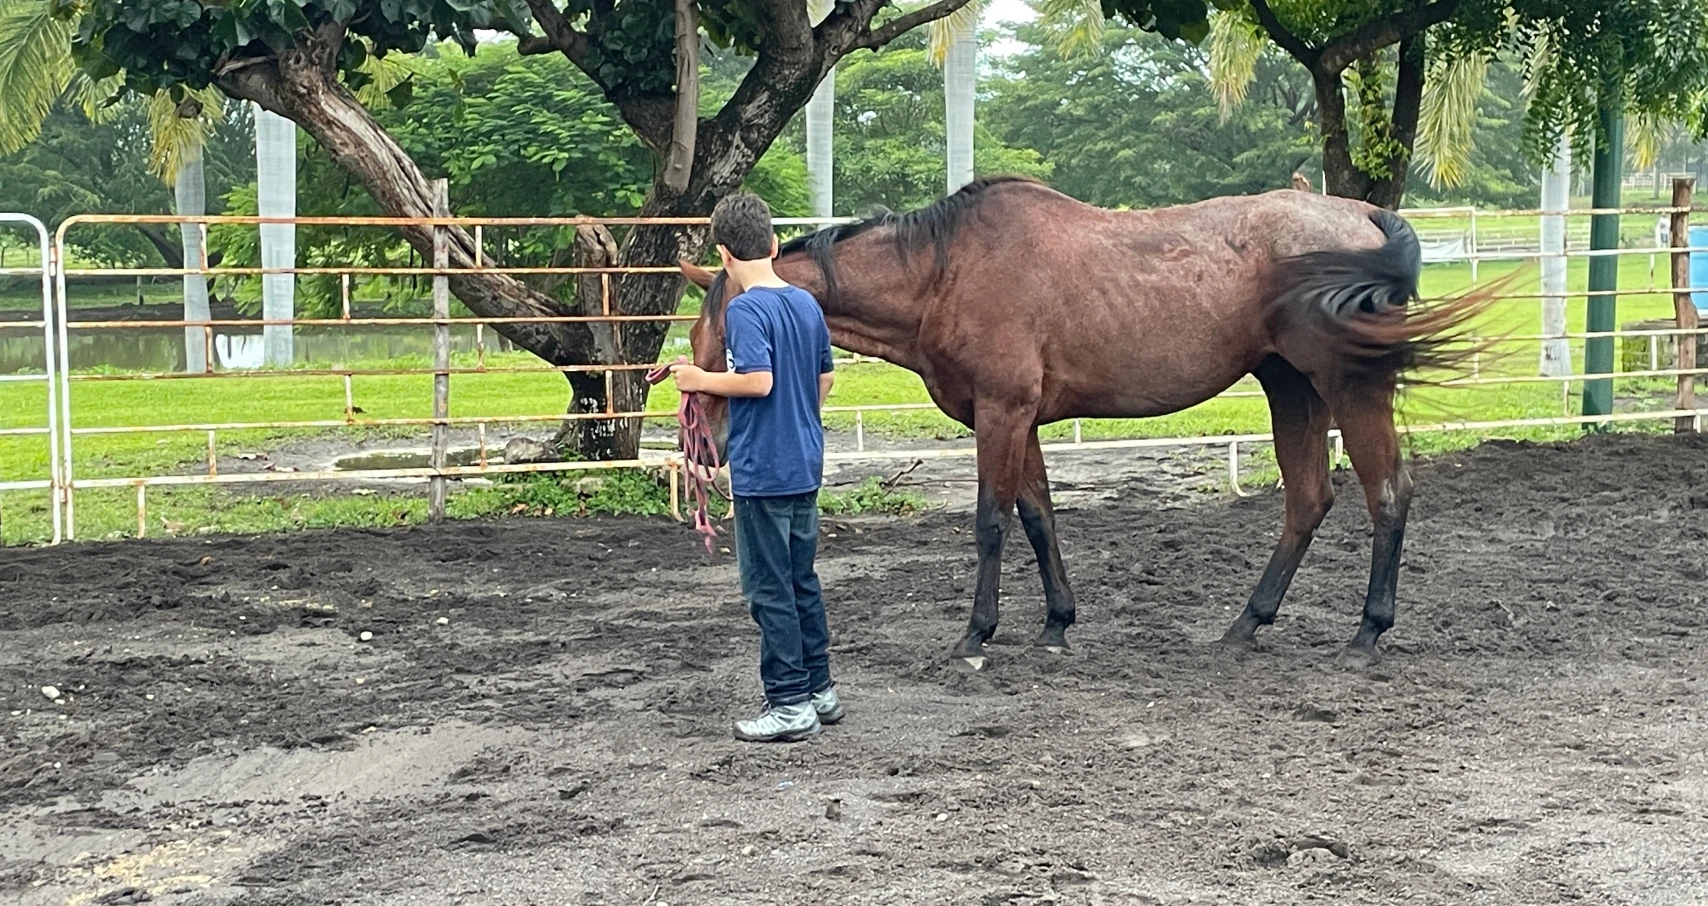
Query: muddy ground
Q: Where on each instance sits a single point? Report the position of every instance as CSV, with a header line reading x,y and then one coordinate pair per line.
x,y
541,715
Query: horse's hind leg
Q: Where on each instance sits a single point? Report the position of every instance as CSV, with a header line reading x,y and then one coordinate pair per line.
x,y
1300,421
1038,517
1366,417
1001,432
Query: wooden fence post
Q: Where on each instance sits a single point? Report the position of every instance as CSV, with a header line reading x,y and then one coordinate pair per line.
x,y
1684,307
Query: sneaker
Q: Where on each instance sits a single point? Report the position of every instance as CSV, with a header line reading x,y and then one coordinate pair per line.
x,y
828,707
784,723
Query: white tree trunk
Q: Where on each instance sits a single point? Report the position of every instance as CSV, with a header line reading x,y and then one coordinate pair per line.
x,y
276,185
821,159
960,79
1556,188
190,197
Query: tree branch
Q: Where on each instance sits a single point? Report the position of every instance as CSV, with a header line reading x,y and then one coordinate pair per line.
x,y
680,161
559,34
874,38
1373,36
1286,40
787,24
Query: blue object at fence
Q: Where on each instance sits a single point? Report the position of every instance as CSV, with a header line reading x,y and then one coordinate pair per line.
x,y
1699,267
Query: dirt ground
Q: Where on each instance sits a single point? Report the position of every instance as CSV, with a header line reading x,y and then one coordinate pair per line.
x,y
541,713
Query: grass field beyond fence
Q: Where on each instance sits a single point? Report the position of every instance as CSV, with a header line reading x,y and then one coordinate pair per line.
x,y
108,513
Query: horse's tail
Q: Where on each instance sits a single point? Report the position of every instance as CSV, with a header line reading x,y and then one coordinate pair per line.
x,y
1360,308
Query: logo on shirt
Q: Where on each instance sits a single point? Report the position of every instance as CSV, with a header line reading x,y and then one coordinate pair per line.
x,y
729,360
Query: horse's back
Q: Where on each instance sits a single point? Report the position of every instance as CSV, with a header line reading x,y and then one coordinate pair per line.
x,y
1268,226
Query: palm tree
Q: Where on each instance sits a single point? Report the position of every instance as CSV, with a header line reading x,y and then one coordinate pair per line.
x,y
36,72
954,47
276,196
821,109
1556,196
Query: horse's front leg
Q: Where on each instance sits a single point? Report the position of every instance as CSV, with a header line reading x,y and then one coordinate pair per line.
x,y
1001,435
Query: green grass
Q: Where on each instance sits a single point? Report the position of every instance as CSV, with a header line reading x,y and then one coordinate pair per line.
x,y
1529,225
297,397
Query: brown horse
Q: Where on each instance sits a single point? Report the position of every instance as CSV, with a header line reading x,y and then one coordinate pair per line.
x,y
1019,307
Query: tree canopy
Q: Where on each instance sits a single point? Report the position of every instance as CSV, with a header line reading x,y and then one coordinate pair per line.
x,y
889,132
1371,62
75,166
1136,125
514,136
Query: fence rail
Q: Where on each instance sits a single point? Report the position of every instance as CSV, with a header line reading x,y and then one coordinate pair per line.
x,y
60,374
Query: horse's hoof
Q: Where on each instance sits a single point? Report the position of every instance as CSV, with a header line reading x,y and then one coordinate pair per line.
x,y
969,649
975,663
1359,657
1053,639
1238,641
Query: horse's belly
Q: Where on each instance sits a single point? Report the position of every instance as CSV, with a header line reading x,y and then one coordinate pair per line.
x,y
1141,401
1140,380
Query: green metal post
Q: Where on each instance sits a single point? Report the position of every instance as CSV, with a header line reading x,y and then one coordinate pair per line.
x,y
1604,270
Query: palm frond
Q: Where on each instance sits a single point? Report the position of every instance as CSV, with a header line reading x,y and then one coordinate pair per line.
x,y
1451,90
1076,26
180,129
1645,134
1235,47
1537,63
93,96
952,28
35,67
383,76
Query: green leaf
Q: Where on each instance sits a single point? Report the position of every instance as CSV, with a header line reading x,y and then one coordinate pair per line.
x,y
402,93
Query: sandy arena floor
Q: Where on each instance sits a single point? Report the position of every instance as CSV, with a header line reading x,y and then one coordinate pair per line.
x,y
541,715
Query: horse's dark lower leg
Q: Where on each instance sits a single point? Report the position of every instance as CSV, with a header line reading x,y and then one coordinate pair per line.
x,y
1374,448
1038,517
990,529
1001,457
1300,422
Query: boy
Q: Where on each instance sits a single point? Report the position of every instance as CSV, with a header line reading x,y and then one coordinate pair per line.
x,y
778,354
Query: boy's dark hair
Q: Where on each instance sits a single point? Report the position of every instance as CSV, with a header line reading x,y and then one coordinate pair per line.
x,y
741,223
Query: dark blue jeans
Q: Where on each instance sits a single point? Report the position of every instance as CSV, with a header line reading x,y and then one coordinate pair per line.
x,y
776,539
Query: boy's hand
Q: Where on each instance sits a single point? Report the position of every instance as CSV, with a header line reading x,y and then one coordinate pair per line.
x,y
690,378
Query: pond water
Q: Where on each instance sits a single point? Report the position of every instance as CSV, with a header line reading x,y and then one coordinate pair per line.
x,y
412,459
466,456
162,349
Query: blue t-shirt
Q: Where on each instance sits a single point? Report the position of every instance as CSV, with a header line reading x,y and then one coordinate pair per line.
x,y
776,442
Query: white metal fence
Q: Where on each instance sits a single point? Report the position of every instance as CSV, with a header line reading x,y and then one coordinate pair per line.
x,y
48,478
65,432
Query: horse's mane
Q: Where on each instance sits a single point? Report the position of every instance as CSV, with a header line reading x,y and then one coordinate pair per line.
x,y
935,225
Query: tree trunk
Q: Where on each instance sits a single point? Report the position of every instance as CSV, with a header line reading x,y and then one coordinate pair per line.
x,y
679,164
276,196
1343,176
190,195
1556,183
960,81
170,252
821,146
600,439
1339,172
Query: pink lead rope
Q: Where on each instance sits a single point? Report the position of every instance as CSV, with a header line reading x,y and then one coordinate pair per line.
x,y
699,445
